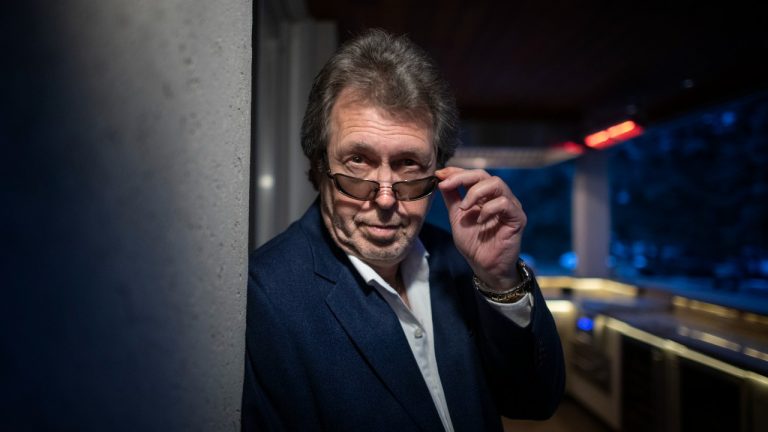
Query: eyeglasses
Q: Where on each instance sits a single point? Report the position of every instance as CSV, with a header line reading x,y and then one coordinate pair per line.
x,y
366,190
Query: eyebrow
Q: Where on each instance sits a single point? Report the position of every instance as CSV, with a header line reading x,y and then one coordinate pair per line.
x,y
413,152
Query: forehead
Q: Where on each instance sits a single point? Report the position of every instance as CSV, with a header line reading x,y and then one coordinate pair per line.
x,y
356,122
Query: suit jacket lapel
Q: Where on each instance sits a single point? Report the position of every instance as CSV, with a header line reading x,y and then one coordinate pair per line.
x,y
451,337
453,318
372,327
376,333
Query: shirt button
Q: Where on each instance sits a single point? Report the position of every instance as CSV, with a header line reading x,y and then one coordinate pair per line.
x,y
418,333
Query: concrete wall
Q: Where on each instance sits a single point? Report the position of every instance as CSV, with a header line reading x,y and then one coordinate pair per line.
x,y
125,128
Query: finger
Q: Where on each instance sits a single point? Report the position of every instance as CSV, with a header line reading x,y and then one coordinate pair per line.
x,y
446,172
456,178
451,194
485,190
506,210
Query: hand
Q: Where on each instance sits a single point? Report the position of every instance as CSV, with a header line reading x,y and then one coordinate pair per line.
x,y
487,224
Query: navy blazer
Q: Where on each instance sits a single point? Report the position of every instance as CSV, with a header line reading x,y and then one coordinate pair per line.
x,y
324,351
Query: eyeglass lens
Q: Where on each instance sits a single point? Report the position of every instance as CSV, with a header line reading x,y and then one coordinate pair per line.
x,y
407,190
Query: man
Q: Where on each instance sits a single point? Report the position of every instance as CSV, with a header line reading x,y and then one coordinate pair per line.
x,y
361,317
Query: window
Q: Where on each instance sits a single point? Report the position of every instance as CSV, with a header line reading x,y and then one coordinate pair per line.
x,y
690,198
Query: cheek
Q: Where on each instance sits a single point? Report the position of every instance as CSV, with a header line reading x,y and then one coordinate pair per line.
x,y
344,216
341,211
416,210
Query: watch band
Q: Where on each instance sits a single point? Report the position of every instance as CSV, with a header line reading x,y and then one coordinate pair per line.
x,y
511,295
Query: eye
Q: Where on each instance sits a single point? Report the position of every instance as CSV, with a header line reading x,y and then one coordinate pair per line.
x,y
408,165
356,162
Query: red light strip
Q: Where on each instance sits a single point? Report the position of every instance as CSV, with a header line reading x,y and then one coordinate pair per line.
x,y
613,135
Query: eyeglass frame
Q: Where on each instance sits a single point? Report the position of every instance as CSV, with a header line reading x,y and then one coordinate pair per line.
x,y
377,187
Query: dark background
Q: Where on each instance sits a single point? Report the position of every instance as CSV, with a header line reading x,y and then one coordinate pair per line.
x,y
577,66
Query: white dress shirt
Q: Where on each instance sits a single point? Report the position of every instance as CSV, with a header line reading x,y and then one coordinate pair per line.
x,y
416,321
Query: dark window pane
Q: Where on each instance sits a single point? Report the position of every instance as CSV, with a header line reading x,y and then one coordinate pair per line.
x,y
690,198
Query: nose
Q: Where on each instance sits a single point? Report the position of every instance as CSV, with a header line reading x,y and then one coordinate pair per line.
x,y
385,199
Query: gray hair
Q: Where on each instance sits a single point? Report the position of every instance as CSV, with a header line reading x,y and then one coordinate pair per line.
x,y
393,74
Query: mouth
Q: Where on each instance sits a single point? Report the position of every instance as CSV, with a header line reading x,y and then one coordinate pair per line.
x,y
381,232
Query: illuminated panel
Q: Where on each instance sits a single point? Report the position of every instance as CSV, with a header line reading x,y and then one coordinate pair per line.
x,y
587,284
756,354
613,135
559,306
684,351
754,318
708,338
724,312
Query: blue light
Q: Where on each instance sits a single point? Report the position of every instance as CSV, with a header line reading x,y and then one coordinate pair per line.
x,y
728,118
585,324
764,267
623,197
569,260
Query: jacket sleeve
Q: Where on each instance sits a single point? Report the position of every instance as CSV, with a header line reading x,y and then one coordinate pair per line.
x,y
524,365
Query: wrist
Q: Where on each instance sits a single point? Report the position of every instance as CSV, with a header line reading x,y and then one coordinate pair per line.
x,y
518,288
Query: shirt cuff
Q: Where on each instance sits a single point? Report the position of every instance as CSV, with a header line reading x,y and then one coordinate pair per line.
x,y
518,312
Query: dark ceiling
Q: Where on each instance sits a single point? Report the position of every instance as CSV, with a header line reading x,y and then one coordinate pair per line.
x,y
580,65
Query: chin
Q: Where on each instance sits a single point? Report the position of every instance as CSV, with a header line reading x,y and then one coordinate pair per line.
x,y
384,255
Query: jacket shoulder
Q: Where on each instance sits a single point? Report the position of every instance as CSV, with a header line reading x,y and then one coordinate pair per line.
x,y
283,269
284,249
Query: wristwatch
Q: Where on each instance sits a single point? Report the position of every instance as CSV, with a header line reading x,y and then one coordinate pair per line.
x,y
511,295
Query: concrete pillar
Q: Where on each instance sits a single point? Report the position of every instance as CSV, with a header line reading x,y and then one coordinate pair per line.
x,y
126,132
591,215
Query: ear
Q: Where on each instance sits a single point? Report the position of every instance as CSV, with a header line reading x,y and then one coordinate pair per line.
x,y
317,168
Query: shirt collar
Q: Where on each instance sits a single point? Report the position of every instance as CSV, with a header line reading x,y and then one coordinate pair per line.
x,y
412,267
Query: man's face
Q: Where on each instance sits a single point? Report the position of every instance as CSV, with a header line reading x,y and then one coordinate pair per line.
x,y
367,143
